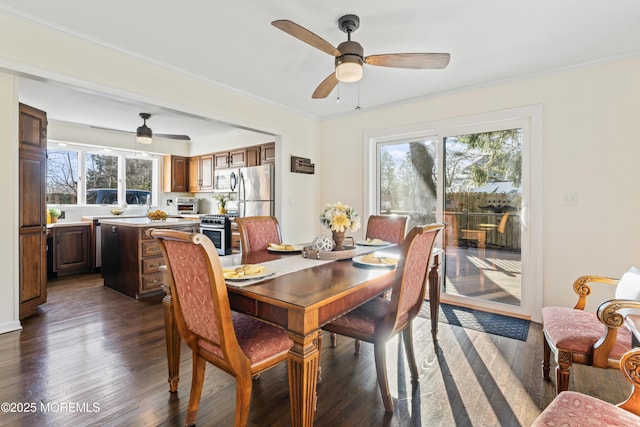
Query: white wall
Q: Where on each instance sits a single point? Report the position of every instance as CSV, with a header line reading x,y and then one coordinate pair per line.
x,y
63,58
591,147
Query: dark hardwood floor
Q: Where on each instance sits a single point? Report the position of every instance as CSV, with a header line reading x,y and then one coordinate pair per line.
x,y
94,357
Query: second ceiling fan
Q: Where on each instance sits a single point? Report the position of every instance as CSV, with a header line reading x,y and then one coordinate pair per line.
x,y
349,55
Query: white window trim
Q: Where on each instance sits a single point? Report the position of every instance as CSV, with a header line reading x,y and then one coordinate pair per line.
x,y
529,118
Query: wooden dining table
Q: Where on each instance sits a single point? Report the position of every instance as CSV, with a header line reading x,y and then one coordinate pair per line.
x,y
301,302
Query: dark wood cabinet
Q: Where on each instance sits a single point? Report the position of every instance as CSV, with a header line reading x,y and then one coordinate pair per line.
x,y
176,174
71,249
201,173
32,208
131,260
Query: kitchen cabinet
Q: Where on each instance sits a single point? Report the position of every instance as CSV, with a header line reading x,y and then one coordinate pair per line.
x,y
70,249
131,260
201,173
176,174
32,209
268,154
257,155
231,159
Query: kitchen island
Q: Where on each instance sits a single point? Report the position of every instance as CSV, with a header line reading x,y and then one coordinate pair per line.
x,y
130,259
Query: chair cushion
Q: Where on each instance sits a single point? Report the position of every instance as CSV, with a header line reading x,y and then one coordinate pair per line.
x,y
570,408
577,331
258,340
365,318
629,285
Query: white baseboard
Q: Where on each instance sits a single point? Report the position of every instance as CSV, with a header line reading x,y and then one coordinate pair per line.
x,y
10,326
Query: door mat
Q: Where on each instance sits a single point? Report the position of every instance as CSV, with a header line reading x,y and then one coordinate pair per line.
x,y
491,323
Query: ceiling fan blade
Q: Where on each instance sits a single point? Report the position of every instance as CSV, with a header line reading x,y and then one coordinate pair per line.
x,y
159,135
173,136
326,87
306,36
410,60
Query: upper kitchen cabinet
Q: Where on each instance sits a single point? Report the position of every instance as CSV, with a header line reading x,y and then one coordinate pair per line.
x,y
32,207
176,174
268,154
231,159
201,173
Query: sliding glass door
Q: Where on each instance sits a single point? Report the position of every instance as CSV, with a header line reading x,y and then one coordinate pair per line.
x,y
478,179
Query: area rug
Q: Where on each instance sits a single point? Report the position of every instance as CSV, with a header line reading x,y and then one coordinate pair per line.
x,y
491,323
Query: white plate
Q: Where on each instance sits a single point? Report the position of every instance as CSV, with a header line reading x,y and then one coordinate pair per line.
x,y
297,248
358,261
365,243
268,272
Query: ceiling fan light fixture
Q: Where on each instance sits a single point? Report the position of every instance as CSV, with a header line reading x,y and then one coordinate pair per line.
x,y
144,135
349,72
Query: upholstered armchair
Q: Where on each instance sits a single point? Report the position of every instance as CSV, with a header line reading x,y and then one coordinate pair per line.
x,y
576,409
587,338
236,343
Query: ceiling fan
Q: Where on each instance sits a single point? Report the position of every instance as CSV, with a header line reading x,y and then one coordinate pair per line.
x,y
350,54
144,134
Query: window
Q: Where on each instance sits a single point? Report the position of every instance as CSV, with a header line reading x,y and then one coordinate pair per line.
x,y
62,176
80,175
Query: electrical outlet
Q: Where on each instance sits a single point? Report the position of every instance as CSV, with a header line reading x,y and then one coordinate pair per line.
x,y
569,199
169,202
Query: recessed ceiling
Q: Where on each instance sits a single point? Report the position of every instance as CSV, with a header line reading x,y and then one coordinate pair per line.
x,y
234,44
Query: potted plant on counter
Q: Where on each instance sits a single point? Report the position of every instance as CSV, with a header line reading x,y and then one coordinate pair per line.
x,y
222,204
54,213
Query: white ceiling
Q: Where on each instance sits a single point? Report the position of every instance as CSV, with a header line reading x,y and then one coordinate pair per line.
x,y
233,44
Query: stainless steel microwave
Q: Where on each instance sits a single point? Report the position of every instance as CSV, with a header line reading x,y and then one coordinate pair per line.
x,y
225,180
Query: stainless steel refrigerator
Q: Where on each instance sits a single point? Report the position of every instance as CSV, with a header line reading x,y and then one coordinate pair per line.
x,y
256,191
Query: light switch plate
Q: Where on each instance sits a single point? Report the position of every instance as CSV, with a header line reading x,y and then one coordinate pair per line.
x,y
569,199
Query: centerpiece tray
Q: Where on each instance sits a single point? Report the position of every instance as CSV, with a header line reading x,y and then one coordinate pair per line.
x,y
347,252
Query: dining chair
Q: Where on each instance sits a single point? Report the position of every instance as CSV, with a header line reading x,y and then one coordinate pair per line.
x,y
576,409
595,339
380,319
390,228
256,232
236,343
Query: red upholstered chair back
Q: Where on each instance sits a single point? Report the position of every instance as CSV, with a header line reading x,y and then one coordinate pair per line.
x,y
199,292
411,276
256,232
390,228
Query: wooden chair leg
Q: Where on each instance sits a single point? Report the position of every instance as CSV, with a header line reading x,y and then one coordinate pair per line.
x,y
545,361
562,377
407,336
381,371
356,346
334,339
197,381
243,400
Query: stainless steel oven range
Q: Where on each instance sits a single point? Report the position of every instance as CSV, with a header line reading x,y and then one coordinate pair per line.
x,y
218,229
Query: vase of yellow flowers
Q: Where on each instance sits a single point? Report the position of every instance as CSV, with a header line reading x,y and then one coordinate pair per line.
x,y
339,218
222,203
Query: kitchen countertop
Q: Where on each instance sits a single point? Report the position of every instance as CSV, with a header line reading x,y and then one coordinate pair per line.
x,y
146,222
67,224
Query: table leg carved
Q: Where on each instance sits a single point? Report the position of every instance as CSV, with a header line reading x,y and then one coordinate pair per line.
x,y
303,366
434,296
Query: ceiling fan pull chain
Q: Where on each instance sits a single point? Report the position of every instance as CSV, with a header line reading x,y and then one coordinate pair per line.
x,y
338,98
358,105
